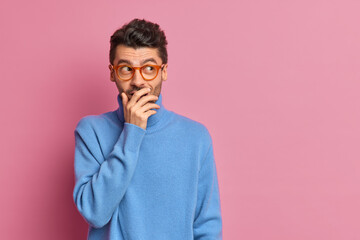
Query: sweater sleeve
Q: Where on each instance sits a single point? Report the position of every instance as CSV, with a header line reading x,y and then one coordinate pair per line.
x,y
207,220
99,188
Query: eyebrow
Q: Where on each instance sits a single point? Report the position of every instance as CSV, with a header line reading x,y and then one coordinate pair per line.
x,y
143,62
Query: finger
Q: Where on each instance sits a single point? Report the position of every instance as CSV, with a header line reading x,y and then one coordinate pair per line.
x,y
146,99
148,106
135,97
149,113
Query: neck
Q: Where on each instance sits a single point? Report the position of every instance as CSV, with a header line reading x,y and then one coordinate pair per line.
x,y
153,120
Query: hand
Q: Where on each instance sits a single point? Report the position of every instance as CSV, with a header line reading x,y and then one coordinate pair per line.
x,y
137,111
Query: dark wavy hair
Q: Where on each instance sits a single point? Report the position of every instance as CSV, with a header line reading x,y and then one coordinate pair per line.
x,y
139,33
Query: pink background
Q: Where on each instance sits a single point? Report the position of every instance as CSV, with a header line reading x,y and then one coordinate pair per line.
x,y
276,83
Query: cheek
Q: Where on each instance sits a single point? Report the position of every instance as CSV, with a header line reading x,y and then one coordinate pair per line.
x,y
123,85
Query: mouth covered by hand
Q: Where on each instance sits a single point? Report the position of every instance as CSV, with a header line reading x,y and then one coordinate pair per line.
x,y
132,93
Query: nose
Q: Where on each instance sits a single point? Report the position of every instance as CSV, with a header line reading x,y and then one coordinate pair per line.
x,y
137,80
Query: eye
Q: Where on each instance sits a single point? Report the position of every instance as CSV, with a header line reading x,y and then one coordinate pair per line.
x,y
125,69
148,69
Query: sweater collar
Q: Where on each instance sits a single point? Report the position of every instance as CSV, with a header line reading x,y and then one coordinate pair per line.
x,y
152,120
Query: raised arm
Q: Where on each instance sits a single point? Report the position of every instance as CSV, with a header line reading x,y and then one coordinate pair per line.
x,y
208,220
99,188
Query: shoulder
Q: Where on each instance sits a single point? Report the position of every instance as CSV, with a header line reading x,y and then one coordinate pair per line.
x,y
92,122
193,128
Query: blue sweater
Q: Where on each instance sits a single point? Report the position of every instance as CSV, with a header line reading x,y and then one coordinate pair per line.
x,y
154,184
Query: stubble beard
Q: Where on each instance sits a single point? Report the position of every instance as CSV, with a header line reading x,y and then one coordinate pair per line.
x,y
156,92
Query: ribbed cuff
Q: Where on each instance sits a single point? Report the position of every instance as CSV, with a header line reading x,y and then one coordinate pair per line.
x,y
133,136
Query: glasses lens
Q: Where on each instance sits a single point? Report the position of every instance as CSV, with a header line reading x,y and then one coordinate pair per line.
x,y
148,71
125,72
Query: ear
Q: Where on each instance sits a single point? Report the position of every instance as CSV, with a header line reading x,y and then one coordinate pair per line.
x,y
164,72
112,76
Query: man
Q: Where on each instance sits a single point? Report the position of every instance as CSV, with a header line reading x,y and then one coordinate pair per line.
x,y
142,171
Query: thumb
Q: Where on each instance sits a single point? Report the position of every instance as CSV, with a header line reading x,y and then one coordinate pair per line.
x,y
124,99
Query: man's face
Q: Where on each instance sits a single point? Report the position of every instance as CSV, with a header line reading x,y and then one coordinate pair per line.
x,y
137,58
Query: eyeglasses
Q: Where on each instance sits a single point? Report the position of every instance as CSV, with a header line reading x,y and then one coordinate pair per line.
x,y
126,72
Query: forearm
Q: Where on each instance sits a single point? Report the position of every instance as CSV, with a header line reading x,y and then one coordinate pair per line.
x,y
100,188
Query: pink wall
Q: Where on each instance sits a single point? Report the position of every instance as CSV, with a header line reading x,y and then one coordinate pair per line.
x,y
276,82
